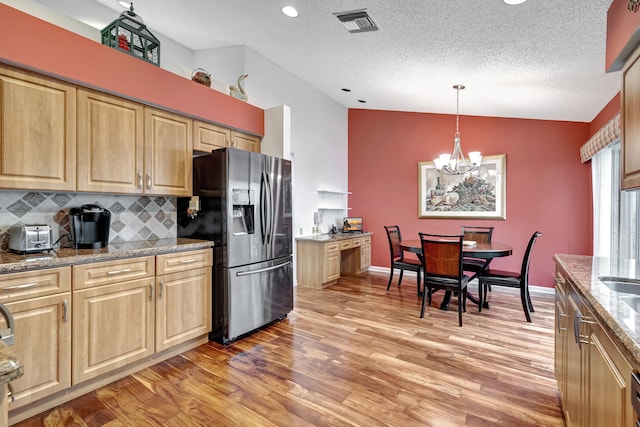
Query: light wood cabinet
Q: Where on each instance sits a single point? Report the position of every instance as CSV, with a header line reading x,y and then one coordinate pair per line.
x,y
183,302
331,262
208,137
630,114
365,253
243,141
168,149
40,303
561,336
593,375
111,143
38,128
113,315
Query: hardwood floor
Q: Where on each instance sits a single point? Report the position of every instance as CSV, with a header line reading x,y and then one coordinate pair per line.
x,y
354,355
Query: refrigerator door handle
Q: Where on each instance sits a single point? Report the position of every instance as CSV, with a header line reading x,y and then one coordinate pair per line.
x,y
263,209
270,207
262,270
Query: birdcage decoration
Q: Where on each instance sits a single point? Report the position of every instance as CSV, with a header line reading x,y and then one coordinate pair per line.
x,y
129,34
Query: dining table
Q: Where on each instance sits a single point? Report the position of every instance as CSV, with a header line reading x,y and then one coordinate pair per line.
x,y
485,251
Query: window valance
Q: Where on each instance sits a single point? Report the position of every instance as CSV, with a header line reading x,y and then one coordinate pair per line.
x,y
601,139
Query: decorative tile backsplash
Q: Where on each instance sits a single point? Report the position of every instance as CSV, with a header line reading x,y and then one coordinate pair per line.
x,y
132,217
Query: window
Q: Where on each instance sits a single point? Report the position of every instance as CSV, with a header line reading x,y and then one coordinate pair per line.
x,y
615,219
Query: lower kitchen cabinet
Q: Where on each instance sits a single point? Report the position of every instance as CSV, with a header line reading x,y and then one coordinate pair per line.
x,y
594,377
40,303
183,301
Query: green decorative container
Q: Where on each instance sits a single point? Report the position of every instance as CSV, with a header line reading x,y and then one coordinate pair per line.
x,y
129,34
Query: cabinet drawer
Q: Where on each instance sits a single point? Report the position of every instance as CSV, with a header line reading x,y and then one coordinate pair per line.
x,y
346,244
108,272
331,247
366,240
183,261
355,243
30,284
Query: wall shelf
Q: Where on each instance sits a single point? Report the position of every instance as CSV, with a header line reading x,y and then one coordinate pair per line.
x,y
331,200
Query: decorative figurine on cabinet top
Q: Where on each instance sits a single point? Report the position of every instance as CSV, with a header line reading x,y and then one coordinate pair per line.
x,y
238,92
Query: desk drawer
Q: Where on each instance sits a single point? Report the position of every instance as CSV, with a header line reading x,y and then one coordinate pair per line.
x,y
366,240
331,247
346,244
356,243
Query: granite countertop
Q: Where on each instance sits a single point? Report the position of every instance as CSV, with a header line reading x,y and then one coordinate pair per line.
x,y
10,262
328,237
617,317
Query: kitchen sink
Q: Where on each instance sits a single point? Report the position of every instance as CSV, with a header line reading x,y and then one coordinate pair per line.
x,y
621,284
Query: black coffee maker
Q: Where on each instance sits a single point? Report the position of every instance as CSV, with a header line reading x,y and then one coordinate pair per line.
x,y
90,225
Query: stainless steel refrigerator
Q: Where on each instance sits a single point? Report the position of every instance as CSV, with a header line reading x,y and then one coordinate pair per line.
x,y
245,208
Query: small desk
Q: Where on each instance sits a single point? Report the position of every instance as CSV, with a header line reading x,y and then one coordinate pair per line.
x,y
486,251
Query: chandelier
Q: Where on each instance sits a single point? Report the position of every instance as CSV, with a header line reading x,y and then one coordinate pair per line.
x,y
456,163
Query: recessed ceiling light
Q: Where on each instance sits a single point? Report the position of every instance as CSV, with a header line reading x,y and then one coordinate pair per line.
x,y
290,11
514,2
125,4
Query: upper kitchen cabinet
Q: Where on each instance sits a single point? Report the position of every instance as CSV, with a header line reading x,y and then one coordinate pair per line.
x,y
168,149
38,131
243,141
110,143
209,137
630,118
125,147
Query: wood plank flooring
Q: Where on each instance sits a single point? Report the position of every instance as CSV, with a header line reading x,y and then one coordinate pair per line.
x,y
352,354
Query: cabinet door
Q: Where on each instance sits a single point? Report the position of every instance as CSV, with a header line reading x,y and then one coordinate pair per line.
x,y
183,307
243,141
561,336
110,149
168,153
38,139
43,345
113,326
630,98
331,266
608,385
573,407
365,257
208,137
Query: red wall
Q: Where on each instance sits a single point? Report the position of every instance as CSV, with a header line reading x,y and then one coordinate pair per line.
x,y
548,189
38,45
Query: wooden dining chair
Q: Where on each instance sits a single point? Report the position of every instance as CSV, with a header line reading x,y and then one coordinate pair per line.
x,y
398,261
442,268
510,279
478,235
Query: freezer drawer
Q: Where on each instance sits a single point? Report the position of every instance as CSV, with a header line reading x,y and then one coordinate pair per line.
x,y
254,295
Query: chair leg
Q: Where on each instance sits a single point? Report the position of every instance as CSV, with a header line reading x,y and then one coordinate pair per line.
x,y
480,295
525,303
400,279
424,299
529,301
460,304
390,278
418,283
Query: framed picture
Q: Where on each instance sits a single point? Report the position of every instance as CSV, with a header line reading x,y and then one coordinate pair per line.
x,y
479,194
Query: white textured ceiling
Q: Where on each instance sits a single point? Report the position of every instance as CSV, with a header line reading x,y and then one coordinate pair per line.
x,y
544,59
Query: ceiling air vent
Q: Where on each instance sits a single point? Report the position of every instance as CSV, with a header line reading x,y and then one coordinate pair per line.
x,y
357,21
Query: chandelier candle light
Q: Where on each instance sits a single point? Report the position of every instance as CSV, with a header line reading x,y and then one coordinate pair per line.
x,y
455,163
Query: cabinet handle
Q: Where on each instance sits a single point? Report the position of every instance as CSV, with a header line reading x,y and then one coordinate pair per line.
x,y
124,270
64,311
558,280
22,286
148,181
11,394
579,319
161,286
187,261
558,322
150,290
139,179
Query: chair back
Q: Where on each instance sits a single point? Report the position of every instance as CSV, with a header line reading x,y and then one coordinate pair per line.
x,y
442,255
477,234
524,272
394,236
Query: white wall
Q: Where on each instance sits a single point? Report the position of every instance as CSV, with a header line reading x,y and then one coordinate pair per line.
x,y
318,124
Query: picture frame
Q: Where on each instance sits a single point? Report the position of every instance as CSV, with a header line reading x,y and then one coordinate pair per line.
x,y
479,194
